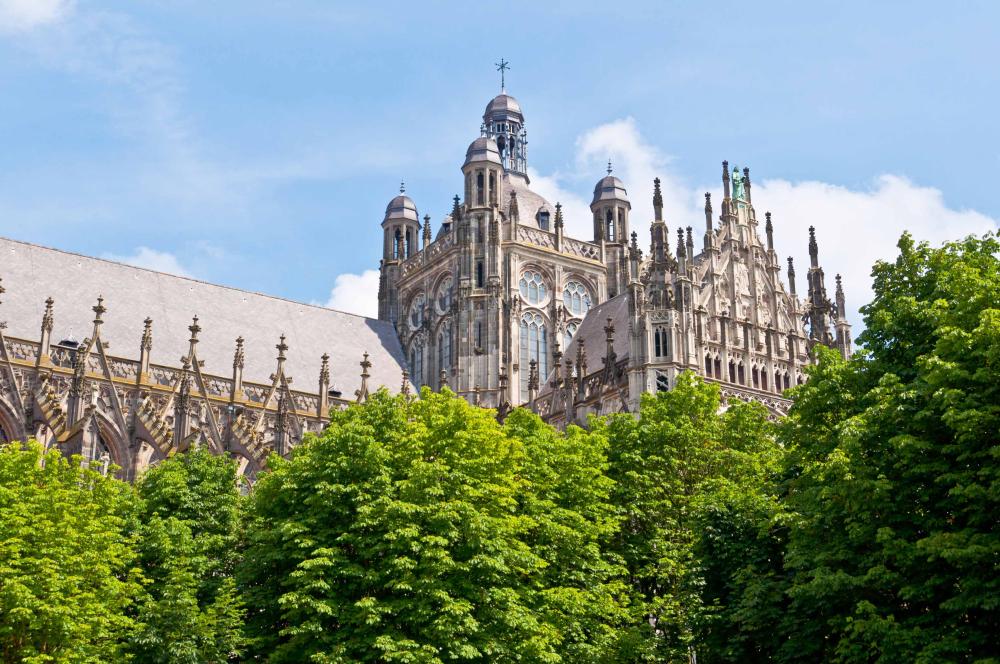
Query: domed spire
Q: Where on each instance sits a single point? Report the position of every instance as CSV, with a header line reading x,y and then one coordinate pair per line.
x,y
503,122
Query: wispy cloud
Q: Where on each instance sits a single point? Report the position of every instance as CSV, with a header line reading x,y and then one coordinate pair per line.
x,y
356,293
855,228
24,15
151,259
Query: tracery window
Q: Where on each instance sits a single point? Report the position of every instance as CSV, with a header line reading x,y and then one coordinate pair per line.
x,y
417,311
543,220
532,286
576,298
417,364
444,294
571,329
534,346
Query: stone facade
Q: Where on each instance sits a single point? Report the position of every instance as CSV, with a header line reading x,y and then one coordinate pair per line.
x,y
499,304
168,362
506,309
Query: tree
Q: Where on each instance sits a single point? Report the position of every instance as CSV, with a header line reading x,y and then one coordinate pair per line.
x,y
894,545
405,533
672,466
568,499
67,571
188,548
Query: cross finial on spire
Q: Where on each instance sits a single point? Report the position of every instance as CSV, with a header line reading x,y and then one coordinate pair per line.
x,y
609,167
502,67
402,186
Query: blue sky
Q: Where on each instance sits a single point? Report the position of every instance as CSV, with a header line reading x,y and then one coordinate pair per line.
x,y
256,144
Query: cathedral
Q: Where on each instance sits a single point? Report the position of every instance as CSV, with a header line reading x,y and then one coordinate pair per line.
x,y
504,308
125,366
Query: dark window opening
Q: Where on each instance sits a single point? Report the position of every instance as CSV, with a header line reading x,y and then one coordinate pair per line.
x,y
543,220
479,274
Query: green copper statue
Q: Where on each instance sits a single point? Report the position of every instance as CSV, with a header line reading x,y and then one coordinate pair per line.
x,y
738,190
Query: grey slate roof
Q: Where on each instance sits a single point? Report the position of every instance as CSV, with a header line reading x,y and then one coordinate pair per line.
x,y
610,188
401,207
594,339
31,273
501,107
483,149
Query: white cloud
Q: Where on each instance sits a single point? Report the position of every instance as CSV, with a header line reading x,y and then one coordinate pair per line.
x,y
21,15
151,259
356,293
855,228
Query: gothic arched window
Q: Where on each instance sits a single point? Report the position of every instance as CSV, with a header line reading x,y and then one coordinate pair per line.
x,y
576,298
534,346
718,368
571,329
708,365
532,287
444,294
480,199
493,187
609,222
397,243
417,311
417,364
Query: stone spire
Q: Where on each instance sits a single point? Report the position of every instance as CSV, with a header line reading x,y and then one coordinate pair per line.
x,y
769,230
725,180
709,227
813,248
513,212
581,369
503,403
362,392
680,244
690,243
839,297
532,380
323,409
559,217
281,347
46,338
99,311
657,201
404,387
427,230
145,348
609,358
791,277
746,182
556,364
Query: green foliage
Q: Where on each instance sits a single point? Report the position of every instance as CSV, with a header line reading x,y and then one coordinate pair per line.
x,y
190,611
861,528
676,468
67,571
422,531
894,545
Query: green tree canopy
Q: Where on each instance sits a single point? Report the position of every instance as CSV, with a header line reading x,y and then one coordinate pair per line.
x,y
67,574
420,530
896,489
674,467
188,548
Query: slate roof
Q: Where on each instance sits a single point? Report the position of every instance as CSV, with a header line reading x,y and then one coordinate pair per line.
x,y
594,339
31,273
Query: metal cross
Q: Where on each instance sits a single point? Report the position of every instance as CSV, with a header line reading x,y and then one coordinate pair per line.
x,y
502,67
